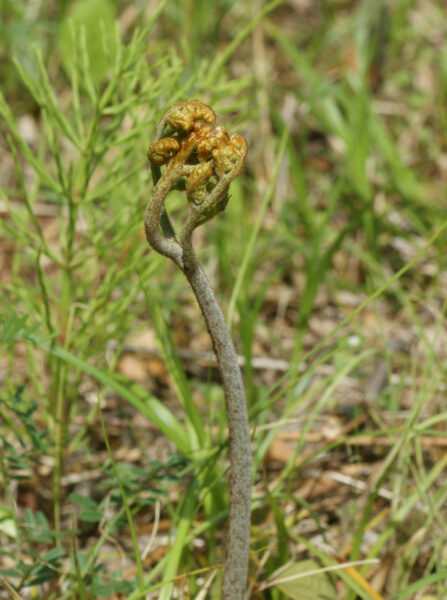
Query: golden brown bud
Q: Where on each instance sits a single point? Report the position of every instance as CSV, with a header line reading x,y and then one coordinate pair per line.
x,y
203,157
163,150
196,187
183,115
229,158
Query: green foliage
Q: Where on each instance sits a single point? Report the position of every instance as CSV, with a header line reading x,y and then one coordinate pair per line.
x,y
94,22
12,328
356,170
30,442
299,587
37,527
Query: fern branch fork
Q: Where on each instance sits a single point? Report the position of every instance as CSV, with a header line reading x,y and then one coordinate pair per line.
x,y
199,156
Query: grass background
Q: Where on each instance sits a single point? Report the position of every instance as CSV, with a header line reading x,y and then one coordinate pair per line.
x,y
329,265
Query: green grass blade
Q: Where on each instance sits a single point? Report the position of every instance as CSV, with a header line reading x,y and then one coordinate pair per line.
x,y
255,231
424,582
148,405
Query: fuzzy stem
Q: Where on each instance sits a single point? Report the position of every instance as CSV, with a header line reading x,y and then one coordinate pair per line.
x,y
154,211
236,561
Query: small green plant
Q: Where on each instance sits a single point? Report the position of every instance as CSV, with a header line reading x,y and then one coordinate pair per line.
x,y
88,170
200,157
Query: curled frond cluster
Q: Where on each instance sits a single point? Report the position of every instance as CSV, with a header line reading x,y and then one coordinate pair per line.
x,y
199,155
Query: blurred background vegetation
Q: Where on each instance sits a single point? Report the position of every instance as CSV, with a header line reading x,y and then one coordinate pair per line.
x,y
329,263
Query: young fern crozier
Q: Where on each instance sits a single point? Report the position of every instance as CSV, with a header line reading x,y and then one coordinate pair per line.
x,y
200,157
